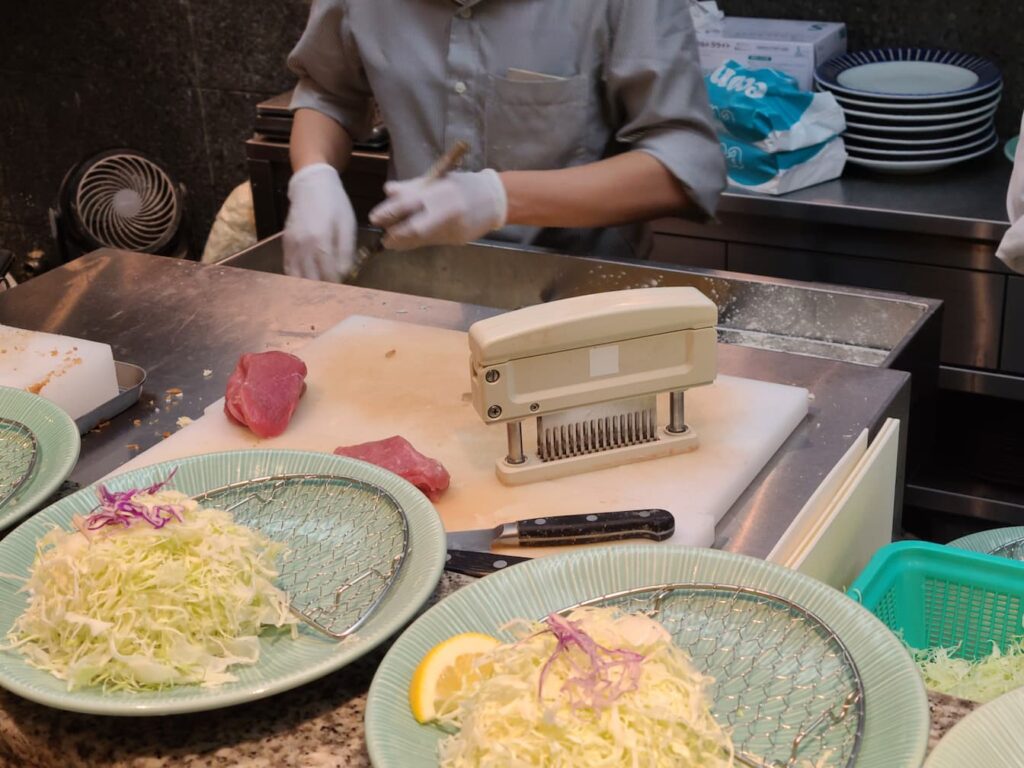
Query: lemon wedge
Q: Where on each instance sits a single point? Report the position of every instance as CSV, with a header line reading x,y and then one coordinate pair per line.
x,y
446,669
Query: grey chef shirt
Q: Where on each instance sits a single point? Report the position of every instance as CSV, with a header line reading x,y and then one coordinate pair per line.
x,y
528,84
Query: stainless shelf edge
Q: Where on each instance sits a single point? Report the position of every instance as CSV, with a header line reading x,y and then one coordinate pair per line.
x,y
981,382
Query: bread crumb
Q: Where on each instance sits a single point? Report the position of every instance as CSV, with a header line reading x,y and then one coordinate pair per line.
x,y
390,353
207,373
173,391
136,422
184,421
133,447
166,434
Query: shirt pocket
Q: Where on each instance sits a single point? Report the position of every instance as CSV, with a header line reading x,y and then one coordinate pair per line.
x,y
535,125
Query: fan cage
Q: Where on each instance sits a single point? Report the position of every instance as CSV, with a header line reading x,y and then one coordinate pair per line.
x,y
156,206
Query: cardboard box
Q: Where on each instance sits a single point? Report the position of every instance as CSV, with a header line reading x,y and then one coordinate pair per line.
x,y
793,47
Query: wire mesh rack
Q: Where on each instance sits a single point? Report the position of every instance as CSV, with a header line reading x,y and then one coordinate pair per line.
x,y
345,540
784,683
19,454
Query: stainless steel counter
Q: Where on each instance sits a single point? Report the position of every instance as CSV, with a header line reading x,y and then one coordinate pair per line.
x,y
186,324
966,201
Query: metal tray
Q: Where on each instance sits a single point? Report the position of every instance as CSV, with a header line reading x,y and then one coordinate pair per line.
x,y
130,379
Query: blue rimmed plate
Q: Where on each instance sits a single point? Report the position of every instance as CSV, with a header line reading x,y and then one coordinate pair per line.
x,y
284,663
914,166
39,446
908,74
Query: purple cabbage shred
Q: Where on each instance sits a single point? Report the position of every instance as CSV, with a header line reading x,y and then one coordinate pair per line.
x,y
121,507
601,674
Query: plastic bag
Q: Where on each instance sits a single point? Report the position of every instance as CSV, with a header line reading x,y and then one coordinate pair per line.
x,y
775,173
767,109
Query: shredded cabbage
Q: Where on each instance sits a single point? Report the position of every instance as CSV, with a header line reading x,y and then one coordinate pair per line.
x,y
598,688
980,680
146,607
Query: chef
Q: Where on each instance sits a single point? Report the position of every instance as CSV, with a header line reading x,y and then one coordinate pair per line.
x,y
1011,249
583,118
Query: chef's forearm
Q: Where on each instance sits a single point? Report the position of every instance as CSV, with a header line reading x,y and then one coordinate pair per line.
x,y
316,138
633,186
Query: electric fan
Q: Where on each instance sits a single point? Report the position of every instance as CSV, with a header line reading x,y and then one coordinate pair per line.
x,y
120,198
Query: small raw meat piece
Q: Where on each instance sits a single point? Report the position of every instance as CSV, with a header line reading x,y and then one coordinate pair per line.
x,y
397,455
264,390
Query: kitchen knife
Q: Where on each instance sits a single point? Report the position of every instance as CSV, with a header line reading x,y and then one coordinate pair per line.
x,y
445,163
561,530
478,563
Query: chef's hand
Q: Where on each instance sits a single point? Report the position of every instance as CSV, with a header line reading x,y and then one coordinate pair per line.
x,y
320,232
448,211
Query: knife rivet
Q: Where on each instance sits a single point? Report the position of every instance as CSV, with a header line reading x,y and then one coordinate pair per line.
x,y
492,376
591,518
499,563
447,556
540,520
645,513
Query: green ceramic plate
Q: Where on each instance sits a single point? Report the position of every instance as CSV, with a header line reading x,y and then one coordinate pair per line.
x,y
991,735
56,446
284,663
1005,542
896,709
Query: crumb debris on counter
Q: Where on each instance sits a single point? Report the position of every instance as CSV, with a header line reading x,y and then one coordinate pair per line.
x,y
133,447
207,373
136,422
175,391
165,434
184,421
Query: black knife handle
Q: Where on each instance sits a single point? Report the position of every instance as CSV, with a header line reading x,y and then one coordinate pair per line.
x,y
656,524
478,563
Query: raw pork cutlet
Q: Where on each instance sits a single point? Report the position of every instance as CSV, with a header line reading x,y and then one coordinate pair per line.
x,y
397,455
264,390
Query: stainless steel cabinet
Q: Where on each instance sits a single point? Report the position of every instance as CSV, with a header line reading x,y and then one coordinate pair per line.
x,y
688,251
1013,327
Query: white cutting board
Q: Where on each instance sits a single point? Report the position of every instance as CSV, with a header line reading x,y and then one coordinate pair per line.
x,y
370,379
76,374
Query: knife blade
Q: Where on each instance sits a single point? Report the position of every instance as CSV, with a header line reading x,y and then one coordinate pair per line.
x,y
561,530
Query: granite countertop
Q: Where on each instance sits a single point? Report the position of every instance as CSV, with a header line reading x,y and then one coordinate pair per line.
x,y
319,725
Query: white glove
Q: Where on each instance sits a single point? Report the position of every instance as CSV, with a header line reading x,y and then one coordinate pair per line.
x,y
320,231
449,211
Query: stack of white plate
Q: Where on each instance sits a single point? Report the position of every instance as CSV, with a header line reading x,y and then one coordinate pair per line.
x,y
912,110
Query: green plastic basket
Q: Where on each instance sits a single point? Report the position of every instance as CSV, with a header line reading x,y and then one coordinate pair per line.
x,y
935,596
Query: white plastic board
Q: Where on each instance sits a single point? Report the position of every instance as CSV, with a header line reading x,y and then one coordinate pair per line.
x,y
370,379
75,374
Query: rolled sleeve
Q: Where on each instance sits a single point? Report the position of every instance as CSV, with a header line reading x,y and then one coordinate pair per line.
x,y
331,75
655,87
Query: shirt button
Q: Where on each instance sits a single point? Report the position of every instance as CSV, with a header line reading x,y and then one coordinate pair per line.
x,y
460,87
466,13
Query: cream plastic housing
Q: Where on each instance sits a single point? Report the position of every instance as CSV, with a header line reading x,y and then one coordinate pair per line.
x,y
591,349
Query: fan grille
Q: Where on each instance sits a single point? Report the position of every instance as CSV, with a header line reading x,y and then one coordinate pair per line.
x,y
127,201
